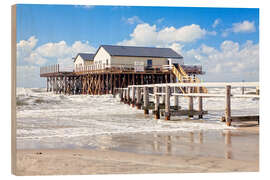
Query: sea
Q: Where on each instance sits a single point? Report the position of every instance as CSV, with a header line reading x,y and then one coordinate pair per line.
x,y
56,121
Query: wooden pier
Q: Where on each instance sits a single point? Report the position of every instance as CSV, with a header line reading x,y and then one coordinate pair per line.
x,y
141,93
98,79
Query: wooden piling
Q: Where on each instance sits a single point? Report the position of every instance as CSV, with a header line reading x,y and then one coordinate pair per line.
x,y
176,99
128,95
257,91
228,105
190,102
200,104
167,103
133,96
122,95
138,96
163,96
157,112
243,90
145,99
47,84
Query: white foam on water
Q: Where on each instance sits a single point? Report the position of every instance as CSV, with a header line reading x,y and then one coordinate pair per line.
x,y
46,116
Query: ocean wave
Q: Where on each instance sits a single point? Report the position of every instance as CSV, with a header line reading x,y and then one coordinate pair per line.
x,y
42,114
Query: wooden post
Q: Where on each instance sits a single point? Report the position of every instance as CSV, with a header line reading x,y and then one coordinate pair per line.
x,y
47,84
190,104
243,90
121,95
125,96
167,103
138,95
133,96
128,96
257,91
228,105
145,100
163,96
157,113
176,102
200,103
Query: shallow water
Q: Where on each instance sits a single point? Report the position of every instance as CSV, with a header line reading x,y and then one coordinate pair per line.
x,y
46,120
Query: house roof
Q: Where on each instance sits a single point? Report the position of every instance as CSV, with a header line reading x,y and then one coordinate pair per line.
x,y
85,56
140,51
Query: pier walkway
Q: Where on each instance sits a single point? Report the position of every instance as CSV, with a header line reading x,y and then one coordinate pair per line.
x,y
138,95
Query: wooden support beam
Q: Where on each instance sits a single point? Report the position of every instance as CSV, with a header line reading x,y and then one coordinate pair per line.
x,y
145,99
190,102
176,99
167,103
200,103
128,95
47,84
121,94
111,83
242,118
243,90
138,96
114,83
228,105
108,84
186,112
157,112
257,91
133,96
163,96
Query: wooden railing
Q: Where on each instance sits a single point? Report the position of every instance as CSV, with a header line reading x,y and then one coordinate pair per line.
x,y
55,68
118,67
49,69
182,76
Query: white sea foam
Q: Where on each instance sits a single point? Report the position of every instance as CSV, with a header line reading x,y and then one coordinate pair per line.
x,y
44,116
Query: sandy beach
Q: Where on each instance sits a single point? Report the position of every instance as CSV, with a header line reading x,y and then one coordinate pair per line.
x,y
232,156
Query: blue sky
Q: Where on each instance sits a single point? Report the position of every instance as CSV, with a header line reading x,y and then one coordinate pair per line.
x,y
53,33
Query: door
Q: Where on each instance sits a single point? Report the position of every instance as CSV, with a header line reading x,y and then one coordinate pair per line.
x,y
149,63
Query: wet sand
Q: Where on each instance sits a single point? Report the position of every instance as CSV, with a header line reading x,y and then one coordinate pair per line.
x,y
219,151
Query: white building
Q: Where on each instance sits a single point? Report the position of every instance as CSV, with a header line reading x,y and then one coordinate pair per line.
x,y
129,55
83,59
112,55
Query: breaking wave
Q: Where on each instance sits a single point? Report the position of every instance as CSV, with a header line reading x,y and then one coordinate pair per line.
x,y
47,117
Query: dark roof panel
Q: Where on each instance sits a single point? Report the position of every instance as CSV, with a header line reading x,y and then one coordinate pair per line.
x,y
86,56
141,51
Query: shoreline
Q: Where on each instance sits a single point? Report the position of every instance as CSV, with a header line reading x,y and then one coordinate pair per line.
x,y
228,151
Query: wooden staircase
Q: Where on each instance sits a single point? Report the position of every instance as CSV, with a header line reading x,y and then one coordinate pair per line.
x,y
183,77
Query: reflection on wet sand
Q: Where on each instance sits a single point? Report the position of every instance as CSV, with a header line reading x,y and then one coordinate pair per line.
x,y
228,143
198,143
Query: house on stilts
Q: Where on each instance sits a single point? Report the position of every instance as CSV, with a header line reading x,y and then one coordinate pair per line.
x,y
112,67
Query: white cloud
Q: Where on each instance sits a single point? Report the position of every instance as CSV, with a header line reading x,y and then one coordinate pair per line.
x,y
84,6
30,57
28,52
240,27
25,47
177,47
216,22
160,20
35,58
232,62
133,20
147,35
244,26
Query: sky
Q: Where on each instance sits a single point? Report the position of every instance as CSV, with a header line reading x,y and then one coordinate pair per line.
x,y
225,41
